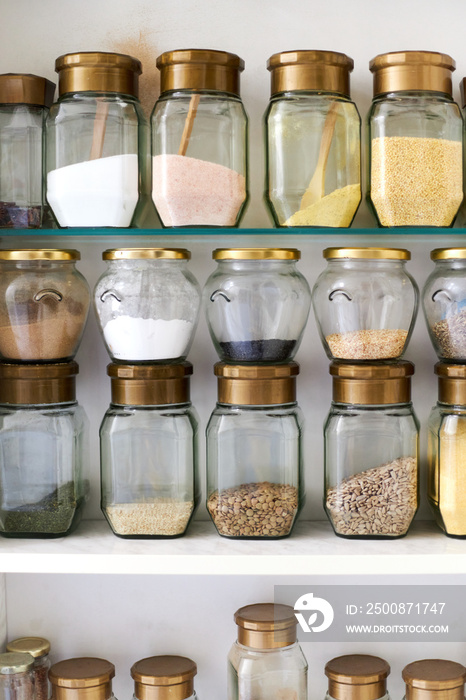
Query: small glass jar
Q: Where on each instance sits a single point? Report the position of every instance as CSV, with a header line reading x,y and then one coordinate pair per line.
x,y
365,303
44,302
199,140
147,304
255,486
164,678
266,663
312,133
371,451
256,304
434,679
415,132
96,141
148,448
357,676
43,444
82,679
24,104
39,649
16,676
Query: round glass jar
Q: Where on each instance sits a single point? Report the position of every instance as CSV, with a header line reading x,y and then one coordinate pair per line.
x,y
365,303
415,132
16,676
199,140
39,649
44,302
357,677
147,304
312,134
81,679
164,678
24,104
97,141
266,662
43,445
434,679
371,451
148,449
255,486
256,304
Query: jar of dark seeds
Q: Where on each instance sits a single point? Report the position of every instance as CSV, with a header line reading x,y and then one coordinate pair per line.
x,y
16,676
39,649
254,470
371,451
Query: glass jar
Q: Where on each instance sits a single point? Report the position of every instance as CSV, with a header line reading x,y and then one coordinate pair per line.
x,y
199,140
433,679
44,302
371,451
266,663
147,304
82,678
43,444
39,649
312,134
256,304
415,132
164,678
365,303
96,141
357,676
148,448
255,486
16,676
24,104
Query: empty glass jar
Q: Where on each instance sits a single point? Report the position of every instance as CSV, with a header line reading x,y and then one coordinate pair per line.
x,y
16,676
147,304
164,678
357,676
365,303
81,679
433,679
256,304
371,451
39,649
199,140
312,132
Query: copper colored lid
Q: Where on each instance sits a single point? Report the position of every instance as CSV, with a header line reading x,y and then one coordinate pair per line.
x,y
222,369
150,385
200,69
463,92
98,71
434,674
371,384
256,385
164,670
266,626
26,89
323,71
28,384
412,71
36,646
357,669
394,370
85,672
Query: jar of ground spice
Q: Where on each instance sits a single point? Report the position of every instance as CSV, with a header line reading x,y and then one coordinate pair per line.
x,y
199,140
357,677
312,133
256,304
148,448
164,678
415,140
16,676
371,451
82,679
254,457
433,679
39,649
365,303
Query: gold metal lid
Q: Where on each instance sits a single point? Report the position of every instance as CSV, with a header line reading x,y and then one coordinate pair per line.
x,y
146,254
150,385
40,254
366,384
256,385
323,71
367,253
433,676
12,662
164,678
27,384
357,677
412,71
266,626
26,89
84,672
451,384
448,254
256,254
36,646
463,92
200,69
98,71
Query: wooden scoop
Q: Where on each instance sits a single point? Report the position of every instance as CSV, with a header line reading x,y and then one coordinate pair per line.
x,y
316,187
188,125
100,124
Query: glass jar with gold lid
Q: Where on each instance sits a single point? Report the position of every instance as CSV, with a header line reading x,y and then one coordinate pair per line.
x,y
39,649
357,677
415,132
164,678
432,679
199,140
16,676
82,678
371,457
312,134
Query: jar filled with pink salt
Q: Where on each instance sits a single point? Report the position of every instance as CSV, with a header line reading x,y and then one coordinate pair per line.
x,y
199,140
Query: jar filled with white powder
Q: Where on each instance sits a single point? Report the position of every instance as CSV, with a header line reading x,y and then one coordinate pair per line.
x,y
199,140
147,304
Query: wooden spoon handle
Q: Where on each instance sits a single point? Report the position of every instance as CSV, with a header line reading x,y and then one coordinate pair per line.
x,y
100,124
327,135
188,125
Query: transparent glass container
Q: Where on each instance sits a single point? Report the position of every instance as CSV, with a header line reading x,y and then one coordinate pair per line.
x,y
357,677
199,140
164,678
44,302
81,678
365,303
147,304
256,304
371,439
433,679
415,141
312,141
16,676
39,649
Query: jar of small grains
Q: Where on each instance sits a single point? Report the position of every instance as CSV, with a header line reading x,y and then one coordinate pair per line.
x,y
39,649
81,679
254,457
433,679
16,676
415,140
164,678
357,677
365,303
371,451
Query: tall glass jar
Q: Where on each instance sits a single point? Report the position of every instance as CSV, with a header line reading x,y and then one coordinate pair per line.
x,y
148,448
199,140
97,140
255,486
266,662
312,134
371,451
365,303
82,678
24,104
147,304
434,679
256,304
415,132
39,649
357,677
43,444
164,678
16,676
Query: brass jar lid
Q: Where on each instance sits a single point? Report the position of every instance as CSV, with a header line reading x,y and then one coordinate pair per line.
x,y
322,71
53,254
256,254
370,384
367,253
26,89
12,662
451,383
266,625
200,69
448,254
256,385
36,646
146,254
84,672
412,71
164,678
98,71
357,677
434,675
28,384
463,92
150,385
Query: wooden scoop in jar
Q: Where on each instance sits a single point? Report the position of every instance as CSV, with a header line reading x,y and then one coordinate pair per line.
x,y
188,125
316,187
100,125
